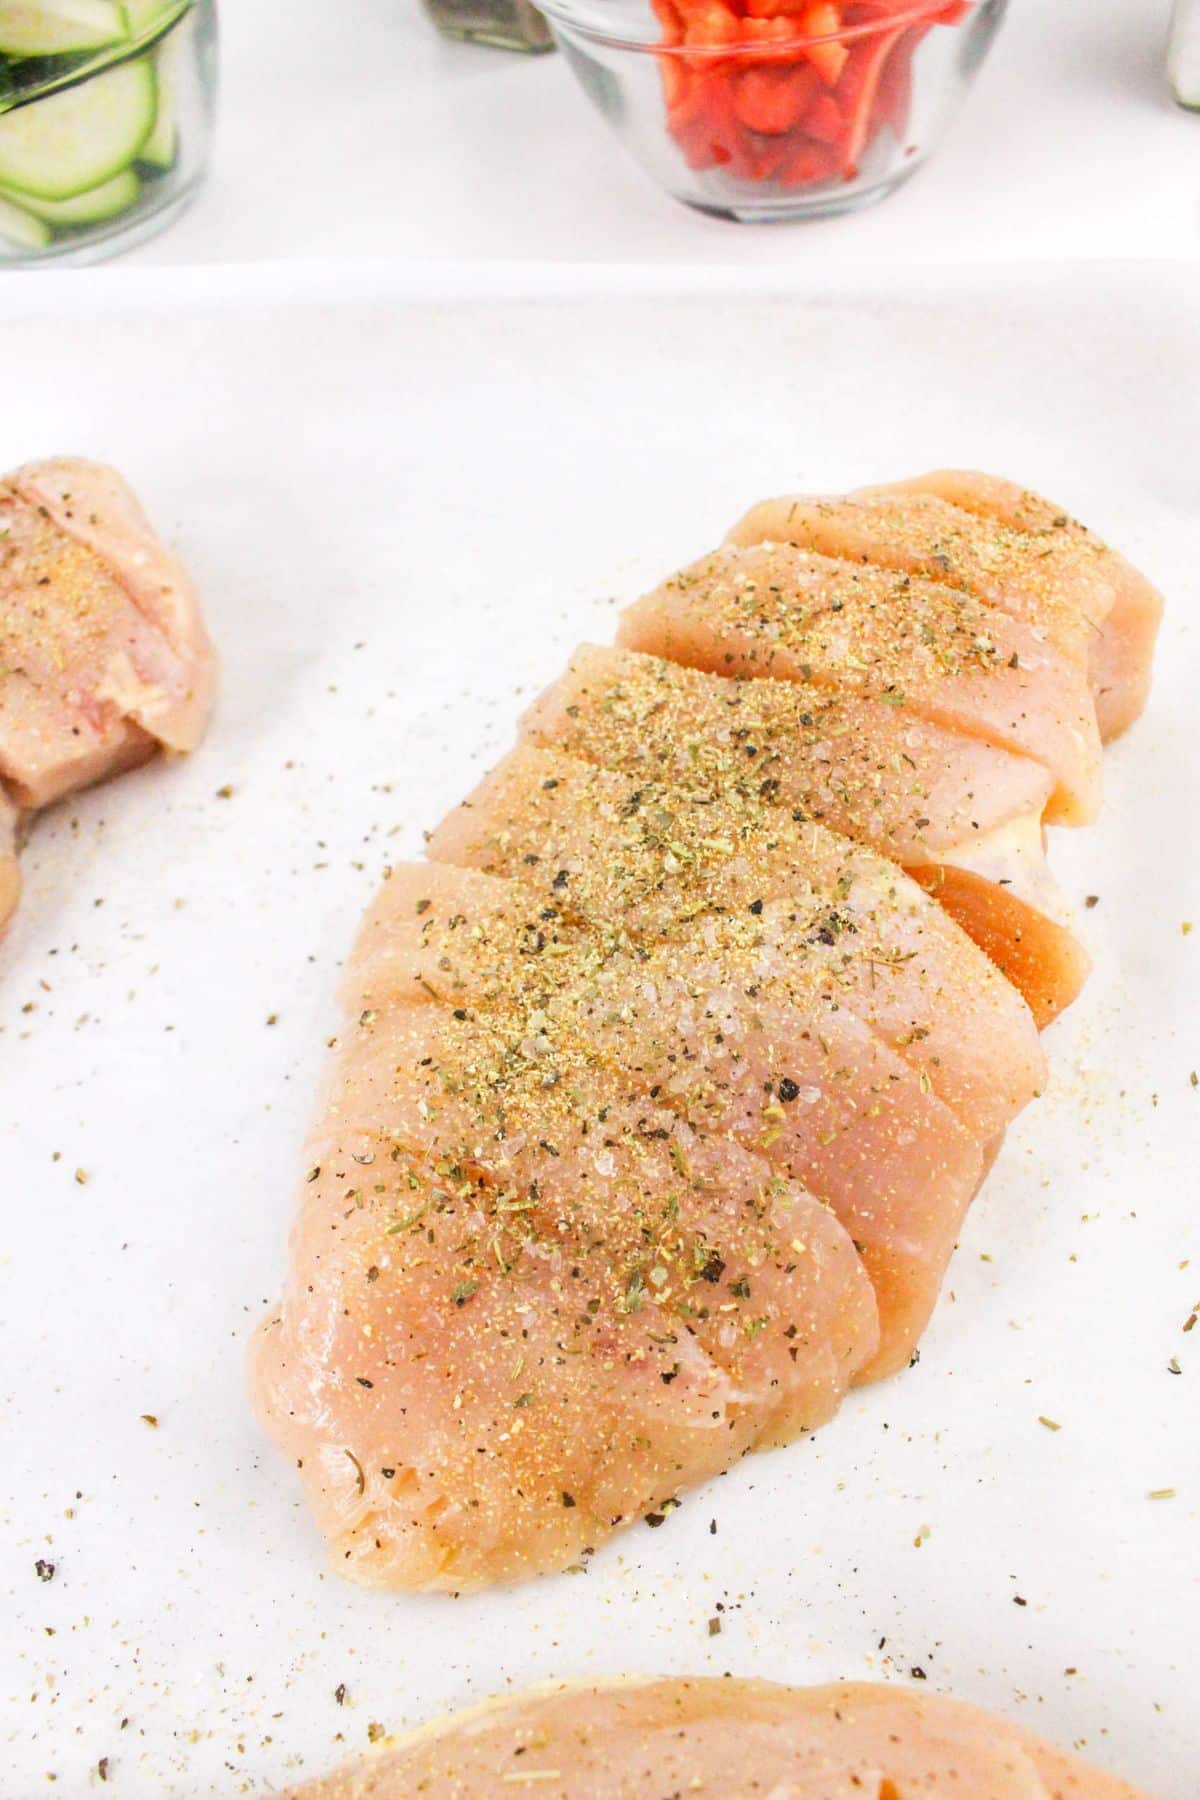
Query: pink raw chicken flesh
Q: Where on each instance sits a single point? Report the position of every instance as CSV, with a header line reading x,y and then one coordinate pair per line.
x,y
785,897
667,1082
963,817
740,1740
832,1107
651,1132
1018,551
937,651
103,653
524,1311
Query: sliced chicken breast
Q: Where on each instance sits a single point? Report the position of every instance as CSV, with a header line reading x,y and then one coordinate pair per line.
x,y
934,650
103,654
790,1074
963,816
525,1310
775,896
736,1739
1121,653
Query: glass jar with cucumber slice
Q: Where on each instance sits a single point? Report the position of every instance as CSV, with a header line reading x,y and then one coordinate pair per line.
x,y
105,114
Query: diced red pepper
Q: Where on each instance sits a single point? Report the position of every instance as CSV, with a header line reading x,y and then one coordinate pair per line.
x,y
822,20
824,121
772,100
808,165
795,101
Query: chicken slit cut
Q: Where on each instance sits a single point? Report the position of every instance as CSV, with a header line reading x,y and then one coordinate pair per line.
x,y
792,1077
1121,653
777,896
962,816
935,651
104,658
622,1740
524,1311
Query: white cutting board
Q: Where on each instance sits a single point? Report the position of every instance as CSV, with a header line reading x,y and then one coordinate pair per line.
x,y
402,516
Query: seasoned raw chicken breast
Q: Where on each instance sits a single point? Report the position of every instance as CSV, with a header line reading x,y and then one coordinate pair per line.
x,y
103,653
962,816
789,1072
1016,550
666,1083
782,897
527,1308
740,1740
1121,654
937,651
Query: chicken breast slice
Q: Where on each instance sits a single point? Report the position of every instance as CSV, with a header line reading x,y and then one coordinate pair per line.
x,y
1121,653
103,651
738,1739
524,1311
798,1079
1050,583
774,896
936,651
963,816
103,654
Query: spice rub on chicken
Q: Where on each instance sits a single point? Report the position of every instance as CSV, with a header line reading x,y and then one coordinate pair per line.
x,y
667,1081
104,658
741,1740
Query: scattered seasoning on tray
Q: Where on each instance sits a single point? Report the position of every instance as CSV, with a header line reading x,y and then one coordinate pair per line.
x,y
1161,1494
339,1693
1050,1424
45,1571
375,1731
150,1419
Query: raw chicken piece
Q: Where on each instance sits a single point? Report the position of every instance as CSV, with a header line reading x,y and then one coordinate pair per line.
x,y
1046,582
922,646
777,894
789,1073
103,654
525,1309
740,1740
1121,653
962,816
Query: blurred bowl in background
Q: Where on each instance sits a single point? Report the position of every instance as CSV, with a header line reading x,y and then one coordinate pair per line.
x,y
764,110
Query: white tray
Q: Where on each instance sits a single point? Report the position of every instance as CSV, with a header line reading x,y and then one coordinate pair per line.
x,y
402,513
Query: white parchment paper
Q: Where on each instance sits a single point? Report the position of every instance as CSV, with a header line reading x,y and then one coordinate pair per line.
x,y
402,516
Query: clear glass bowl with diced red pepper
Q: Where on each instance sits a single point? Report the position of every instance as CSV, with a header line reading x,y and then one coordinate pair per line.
x,y
773,109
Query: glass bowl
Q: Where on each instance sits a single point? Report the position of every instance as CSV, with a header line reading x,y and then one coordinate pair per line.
x,y
776,109
105,118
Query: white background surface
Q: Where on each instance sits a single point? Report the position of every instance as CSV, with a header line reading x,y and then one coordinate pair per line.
x,y
402,519
354,129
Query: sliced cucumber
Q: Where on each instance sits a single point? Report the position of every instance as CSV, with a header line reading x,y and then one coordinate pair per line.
x,y
162,146
145,15
1183,54
57,26
103,202
20,227
75,140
